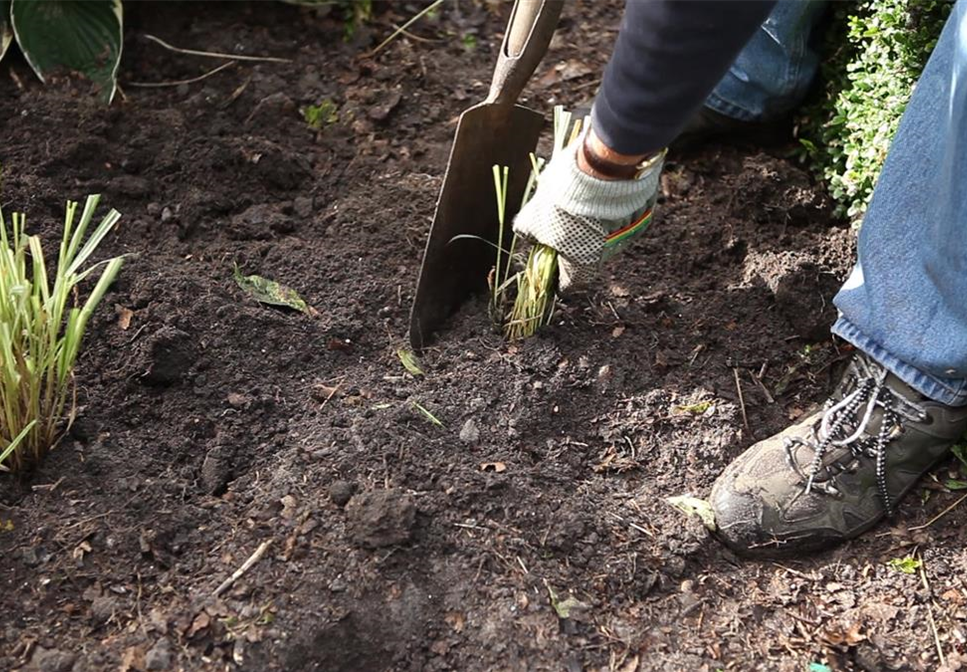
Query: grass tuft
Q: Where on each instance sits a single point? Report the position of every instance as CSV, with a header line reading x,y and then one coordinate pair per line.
x,y
534,284
42,324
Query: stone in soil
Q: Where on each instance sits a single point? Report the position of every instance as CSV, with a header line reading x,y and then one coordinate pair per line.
x,y
159,656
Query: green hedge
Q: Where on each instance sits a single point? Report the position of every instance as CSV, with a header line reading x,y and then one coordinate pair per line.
x,y
875,51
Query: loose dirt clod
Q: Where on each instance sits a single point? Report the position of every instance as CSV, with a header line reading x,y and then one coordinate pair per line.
x,y
340,492
168,355
381,518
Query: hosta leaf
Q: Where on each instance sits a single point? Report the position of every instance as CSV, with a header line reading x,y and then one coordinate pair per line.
x,y
71,37
6,32
270,291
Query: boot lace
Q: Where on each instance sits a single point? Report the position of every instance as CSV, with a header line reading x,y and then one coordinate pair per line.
x,y
866,390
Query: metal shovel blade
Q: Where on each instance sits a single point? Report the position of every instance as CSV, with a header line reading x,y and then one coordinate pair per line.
x,y
461,249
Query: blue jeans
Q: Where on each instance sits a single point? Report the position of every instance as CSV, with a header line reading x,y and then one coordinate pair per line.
x,y
906,302
772,74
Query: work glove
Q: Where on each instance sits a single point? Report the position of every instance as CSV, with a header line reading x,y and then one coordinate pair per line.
x,y
587,219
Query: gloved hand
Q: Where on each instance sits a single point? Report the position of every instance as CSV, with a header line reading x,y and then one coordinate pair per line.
x,y
585,218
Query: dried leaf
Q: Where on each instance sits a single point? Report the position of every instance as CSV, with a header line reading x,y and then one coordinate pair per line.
x,y
409,361
455,620
202,621
80,550
132,659
693,506
270,292
631,665
568,608
498,467
124,317
342,344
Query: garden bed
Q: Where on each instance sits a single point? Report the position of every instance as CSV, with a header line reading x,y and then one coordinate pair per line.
x,y
210,424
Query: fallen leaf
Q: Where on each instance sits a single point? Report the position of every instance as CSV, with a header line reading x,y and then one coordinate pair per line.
x,y
124,316
693,506
81,549
850,637
270,292
617,331
498,467
201,621
906,565
568,608
409,361
343,344
455,620
132,659
631,665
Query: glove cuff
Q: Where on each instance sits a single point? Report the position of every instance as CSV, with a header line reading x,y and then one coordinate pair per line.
x,y
581,194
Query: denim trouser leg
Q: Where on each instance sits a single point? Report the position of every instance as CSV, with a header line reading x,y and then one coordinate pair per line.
x,y
906,302
772,73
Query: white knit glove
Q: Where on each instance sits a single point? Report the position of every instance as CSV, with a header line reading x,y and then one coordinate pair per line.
x,y
586,219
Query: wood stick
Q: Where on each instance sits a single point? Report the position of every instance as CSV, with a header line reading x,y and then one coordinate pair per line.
x,y
738,387
402,29
216,54
179,82
247,565
938,516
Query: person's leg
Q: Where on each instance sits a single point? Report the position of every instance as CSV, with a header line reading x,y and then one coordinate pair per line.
x,y
906,301
771,75
903,401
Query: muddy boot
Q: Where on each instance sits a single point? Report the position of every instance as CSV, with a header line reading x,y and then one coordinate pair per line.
x,y
707,125
836,474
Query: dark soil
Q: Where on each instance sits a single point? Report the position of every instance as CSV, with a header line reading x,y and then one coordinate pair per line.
x,y
212,424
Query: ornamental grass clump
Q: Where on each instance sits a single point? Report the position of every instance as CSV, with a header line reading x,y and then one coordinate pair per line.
x,y
535,283
42,324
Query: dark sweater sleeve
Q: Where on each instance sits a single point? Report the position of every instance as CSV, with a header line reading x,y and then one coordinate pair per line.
x,y
669,56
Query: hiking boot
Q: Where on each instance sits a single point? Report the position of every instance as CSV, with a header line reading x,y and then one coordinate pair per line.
x,y
837,473
707,125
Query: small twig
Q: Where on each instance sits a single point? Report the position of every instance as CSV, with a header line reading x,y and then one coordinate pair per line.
x,y
330,395
765,390
794,572
216,54
247,565
522,565
179,82
410,35
923,574
49,487
402,29
936,635
738,387
938,516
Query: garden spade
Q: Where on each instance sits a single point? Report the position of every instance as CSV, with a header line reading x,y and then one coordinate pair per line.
x,y
461,249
